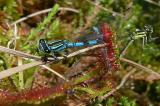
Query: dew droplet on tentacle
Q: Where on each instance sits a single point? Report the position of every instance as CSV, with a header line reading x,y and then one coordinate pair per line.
x,y
108,54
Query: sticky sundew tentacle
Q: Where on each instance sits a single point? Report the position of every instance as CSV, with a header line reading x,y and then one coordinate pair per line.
x,y
7,98
32,96
42,94
109,55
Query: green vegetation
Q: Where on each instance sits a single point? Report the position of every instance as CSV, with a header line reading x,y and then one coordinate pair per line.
x,y
123,16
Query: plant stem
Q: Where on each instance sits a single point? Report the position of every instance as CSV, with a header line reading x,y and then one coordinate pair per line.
x,y
125,78
20,75
105,9
42,12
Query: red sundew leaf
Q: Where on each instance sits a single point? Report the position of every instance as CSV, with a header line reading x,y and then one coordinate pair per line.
x,y
7,98
30,96
108,54
37,94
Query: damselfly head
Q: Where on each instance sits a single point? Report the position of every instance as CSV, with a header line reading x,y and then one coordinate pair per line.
x,y
148,28
43,46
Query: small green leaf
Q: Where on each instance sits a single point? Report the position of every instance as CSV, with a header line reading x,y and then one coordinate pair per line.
x,y
41,26
110,101
53,28
85,89
85,77
29,82
48,19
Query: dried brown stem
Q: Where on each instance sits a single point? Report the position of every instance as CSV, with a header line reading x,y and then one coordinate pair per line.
x,y
140,66
105,9
42,12
18,53
125,78
152,2
11,71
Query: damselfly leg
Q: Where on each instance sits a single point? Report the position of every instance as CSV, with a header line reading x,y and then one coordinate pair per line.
x,y
48,58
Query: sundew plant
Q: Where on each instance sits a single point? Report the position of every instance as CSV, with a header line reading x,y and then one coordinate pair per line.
x,y
83,52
